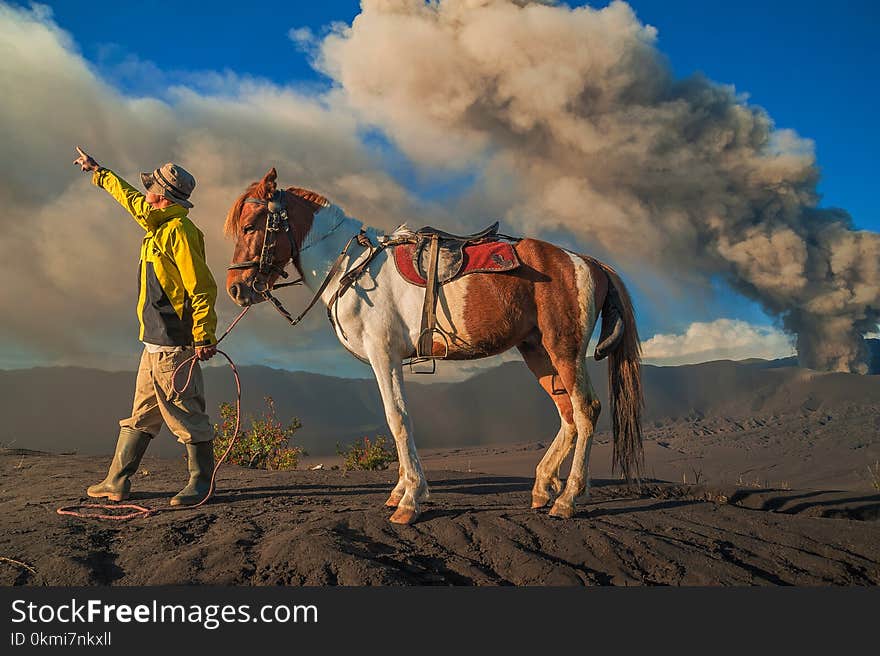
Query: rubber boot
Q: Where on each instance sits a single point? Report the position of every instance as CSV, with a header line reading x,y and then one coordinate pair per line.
x,y
200,460
130,448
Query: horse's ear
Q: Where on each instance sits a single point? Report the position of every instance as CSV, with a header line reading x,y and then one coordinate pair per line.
x,y
268,184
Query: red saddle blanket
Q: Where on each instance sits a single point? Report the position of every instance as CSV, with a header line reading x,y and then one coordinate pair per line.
x,y
486,257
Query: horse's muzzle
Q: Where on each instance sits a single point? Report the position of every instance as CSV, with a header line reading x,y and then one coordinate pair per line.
x,y
241,294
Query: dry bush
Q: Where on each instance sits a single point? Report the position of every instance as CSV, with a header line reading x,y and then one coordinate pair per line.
x,y
266,445
366,455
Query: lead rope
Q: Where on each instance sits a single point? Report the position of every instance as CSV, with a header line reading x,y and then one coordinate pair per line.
x,y
142,511
334,269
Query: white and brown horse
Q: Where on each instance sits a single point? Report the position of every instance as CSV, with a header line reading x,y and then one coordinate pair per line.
x,y
547,308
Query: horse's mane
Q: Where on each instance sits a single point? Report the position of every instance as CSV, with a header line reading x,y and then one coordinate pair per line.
x,y
264,190
403,230
310,196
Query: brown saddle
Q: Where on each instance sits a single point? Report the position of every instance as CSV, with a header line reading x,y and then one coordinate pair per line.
x,y
490,231
437,258
450,251
429,258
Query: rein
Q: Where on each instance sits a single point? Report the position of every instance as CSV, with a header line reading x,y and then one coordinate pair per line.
x,y
337,265
142,511
277,221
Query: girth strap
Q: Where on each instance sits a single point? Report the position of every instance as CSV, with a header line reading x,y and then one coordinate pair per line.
x,y
425,346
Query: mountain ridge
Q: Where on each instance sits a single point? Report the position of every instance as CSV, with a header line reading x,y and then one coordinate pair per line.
x,y
65,409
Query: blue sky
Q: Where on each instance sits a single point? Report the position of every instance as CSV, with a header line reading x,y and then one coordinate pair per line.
x,y
812,65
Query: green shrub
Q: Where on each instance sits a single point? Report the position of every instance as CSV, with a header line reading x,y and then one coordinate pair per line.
x,y
266,445
367,455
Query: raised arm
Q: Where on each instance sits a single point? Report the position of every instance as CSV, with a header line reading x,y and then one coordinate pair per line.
x,y
130,198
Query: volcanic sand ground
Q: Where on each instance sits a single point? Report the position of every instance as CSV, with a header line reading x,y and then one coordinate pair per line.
x,y
327,527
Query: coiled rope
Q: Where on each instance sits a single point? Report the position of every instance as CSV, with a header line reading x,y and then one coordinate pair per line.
x,y
143,511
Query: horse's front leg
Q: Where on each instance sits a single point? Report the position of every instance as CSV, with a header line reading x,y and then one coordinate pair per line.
x,y
397,493
412,486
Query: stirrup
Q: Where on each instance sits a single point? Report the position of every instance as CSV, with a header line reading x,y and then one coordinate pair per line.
x,y
415,361
425,357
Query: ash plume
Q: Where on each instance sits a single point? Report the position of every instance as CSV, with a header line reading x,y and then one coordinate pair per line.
x,y
574,122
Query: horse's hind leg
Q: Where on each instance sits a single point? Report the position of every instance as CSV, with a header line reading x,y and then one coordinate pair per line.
x,y
586,408
566,344
547,481
412,484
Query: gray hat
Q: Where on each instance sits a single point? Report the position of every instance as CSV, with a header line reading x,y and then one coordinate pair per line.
x,y
171,181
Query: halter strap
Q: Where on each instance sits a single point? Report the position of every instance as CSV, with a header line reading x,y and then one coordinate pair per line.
x,y
276,221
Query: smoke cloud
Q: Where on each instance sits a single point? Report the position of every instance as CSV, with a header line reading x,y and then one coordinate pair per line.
x,y
569,121
573,122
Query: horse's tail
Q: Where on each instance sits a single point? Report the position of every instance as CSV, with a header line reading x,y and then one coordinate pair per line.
x,y
619,339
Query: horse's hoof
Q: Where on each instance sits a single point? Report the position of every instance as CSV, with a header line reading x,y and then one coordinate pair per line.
x,y
539,500
562,510
394,500
404,516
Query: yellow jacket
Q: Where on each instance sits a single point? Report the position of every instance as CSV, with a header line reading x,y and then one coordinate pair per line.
x,y
176,291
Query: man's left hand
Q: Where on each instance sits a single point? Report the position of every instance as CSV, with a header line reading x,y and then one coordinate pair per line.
x,y
206,352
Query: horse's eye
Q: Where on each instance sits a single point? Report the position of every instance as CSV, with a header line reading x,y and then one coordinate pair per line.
x,y
248,229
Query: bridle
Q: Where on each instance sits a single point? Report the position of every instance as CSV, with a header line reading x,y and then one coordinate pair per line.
x,y
276,221
266,265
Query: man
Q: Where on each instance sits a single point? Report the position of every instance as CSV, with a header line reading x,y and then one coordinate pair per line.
x,y
176,295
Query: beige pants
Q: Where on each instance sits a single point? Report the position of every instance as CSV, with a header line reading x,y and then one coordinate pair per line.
x,y
155,400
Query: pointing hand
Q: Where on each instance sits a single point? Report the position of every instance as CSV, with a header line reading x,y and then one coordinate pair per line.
x,y
85,160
